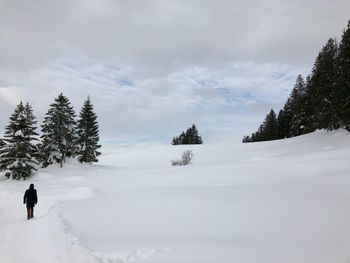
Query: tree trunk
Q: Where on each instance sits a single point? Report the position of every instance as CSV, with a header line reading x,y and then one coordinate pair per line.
x,y
61,161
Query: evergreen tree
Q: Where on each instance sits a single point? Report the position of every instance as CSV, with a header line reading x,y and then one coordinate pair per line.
x,y
246,139
309,116
17,157
268,130
191,136
282,125
3,149
2,143
59,132
175,140
271,126
287,116
6,150
31,123
342,83
88,134
321,88
298,114
182,138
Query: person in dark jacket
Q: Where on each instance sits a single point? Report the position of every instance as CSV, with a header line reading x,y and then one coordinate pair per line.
x,y
30,199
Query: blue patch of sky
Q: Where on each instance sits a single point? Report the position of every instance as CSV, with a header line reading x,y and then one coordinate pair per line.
x,y
105,75
125,82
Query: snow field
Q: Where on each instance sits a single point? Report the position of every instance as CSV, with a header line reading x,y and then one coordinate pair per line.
x,y
281,201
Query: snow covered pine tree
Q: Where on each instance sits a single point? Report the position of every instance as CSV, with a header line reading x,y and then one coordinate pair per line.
x,y
59,133
88,134
17,157
2,143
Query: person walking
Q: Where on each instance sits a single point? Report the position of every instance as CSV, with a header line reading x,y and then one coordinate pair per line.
x,y
30,198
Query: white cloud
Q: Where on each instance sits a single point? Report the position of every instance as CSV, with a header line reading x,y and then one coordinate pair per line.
x,y
154,67
10,96
232,97
157,36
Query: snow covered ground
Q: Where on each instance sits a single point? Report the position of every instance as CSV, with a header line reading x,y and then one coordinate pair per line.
x,y
274,202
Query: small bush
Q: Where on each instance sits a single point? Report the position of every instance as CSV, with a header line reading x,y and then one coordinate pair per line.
x,y
186,159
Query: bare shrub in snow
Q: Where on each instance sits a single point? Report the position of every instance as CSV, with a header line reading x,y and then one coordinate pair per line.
x,y
186,158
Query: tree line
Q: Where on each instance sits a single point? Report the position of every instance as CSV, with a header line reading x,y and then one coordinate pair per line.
x,y
321,101
23,151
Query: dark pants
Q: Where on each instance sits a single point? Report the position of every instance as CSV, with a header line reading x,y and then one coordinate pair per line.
x,y
30,212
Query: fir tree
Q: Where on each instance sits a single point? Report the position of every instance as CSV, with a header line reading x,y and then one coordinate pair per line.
x,y
59,132
17,157
309,116
342,83
175,141
191,136
88,134
2,143
298,108
287,116
282,125
183,138
246,139
322,89
270,126
268,130
31,122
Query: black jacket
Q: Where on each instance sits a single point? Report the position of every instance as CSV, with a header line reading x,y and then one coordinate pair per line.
x,y
30,197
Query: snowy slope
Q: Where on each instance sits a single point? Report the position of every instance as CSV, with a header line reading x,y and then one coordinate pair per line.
x,y
281,201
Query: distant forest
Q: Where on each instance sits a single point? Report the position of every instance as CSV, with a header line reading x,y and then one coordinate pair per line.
x,y
321,101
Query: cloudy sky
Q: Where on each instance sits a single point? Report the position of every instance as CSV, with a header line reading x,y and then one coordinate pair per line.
x,y
154,67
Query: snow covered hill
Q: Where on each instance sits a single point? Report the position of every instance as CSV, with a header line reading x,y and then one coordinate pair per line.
x,y
284,201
